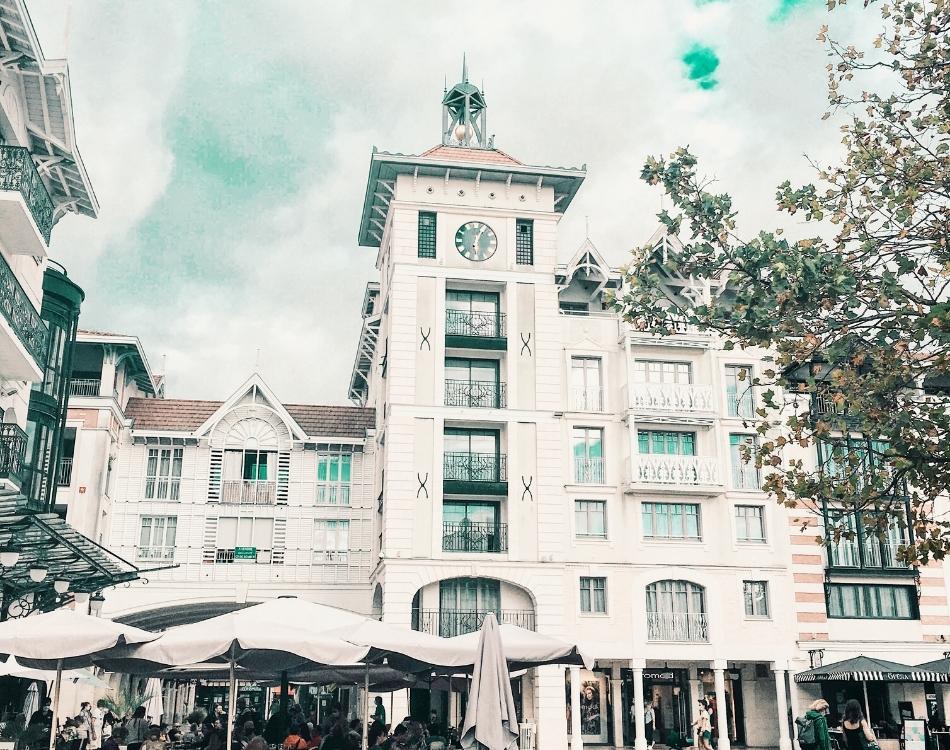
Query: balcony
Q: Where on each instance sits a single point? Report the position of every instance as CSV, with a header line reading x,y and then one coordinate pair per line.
x,y
475,330
26,209
584,398
64,476
475,394
681,471
249,491
22,355
676,626
12,450
155,553
475,536
84,387
672,399
589,471
452,622
475,473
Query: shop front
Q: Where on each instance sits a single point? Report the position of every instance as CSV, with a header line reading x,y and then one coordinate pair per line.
x,y
668,690
735,715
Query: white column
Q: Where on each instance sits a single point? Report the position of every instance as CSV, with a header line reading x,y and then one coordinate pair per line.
x,y
722,723
577,743
793,701
454,719
616,698
640,743
784,741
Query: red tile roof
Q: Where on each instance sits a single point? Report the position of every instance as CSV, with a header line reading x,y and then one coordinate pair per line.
x,y
185,415
457,153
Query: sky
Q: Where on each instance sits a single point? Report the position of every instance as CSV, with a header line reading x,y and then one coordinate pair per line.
x,y
228,142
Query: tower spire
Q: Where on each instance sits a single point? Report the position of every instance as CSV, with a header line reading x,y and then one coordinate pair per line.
x,y
463,114
464,69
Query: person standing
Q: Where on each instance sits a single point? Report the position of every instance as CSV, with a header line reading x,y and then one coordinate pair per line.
x,y
97,716
379,712
703,726
84,725
136,729
813,727
649,723
857,732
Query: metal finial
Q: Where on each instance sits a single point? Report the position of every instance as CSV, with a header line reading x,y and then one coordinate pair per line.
x,y
464,69
445,84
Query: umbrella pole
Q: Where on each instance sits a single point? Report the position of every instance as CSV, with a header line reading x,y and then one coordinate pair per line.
x,y
232,698
56,685
867,706
366,709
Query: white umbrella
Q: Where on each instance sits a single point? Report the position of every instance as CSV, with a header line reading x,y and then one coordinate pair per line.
x,y
154,706
490,717
12,668
522,648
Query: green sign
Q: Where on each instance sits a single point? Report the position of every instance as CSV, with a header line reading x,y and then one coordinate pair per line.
x,y
245,553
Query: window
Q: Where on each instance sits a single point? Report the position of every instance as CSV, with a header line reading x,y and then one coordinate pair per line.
x,y
333,478
871,601
676,611
851,459
587,392
862,543
739,391
670,520
588,443
426,234
524,242
331,541
593,595
163,473
756,596
473,383
473,314
590,518
745,475
472,526
574,308
244,540
750,523
668,443
473,456
656,371
157,537
464,602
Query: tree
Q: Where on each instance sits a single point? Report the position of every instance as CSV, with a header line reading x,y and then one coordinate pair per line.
x,y
857,315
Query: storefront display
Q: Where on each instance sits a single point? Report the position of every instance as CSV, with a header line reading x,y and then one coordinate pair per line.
x,y
592,698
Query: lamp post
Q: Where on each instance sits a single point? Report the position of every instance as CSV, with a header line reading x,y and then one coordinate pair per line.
x,y
95,604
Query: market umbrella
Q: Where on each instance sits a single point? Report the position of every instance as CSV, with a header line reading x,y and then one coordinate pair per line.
x,y
490,717
12,668
938,665
522,648
154,706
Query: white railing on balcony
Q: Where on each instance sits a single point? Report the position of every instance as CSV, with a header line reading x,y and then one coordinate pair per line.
x,y
249,491
333,494
587,399
156,553
84,387
65,474
677,397
676,626
672,469
589,470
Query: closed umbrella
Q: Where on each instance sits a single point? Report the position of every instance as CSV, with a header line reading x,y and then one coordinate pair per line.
x,y
154,706
490,718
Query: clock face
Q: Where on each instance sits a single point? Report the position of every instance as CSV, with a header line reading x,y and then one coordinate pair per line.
x,y
476,241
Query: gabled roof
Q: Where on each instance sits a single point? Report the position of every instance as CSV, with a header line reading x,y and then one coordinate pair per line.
x,y
589,262
459,153
253,385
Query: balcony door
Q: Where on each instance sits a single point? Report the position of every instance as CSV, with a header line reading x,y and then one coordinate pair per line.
x,y
587,384
464,602
470,313
472,382
472,455
471,526
676,611
588,449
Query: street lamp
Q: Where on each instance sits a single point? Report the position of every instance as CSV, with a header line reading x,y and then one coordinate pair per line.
x,y
38,572
95,604
9,557
81,600
60,585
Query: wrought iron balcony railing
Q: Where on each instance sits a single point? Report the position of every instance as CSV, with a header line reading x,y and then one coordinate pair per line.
x,y
84,387
22,316
230,556
676,626
249,491
589,470
156,553
18,172
684,398
451,622
478,324
475,536
12,450
65,474
475,394
653,468
587,398
475,467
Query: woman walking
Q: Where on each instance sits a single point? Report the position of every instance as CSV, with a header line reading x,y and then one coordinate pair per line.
x,y
703,726
858,734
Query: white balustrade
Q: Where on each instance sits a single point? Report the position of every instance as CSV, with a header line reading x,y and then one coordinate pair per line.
x,y
676,397
677,626
673,469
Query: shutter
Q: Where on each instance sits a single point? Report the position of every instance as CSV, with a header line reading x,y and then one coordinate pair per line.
x,y
283,477
280,541
214,476
210,542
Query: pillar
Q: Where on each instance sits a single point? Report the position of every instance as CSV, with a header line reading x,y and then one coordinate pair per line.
x,y
616,699
577,742
722,720
550,708
454,719
793,701
784,741
638,700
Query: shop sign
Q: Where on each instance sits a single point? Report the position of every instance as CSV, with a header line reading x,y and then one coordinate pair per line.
x,y
245,553
658,676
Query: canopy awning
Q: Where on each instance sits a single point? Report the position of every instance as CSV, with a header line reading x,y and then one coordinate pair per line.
x,y
867,669
938,665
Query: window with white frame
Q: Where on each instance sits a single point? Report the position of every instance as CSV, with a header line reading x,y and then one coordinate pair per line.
x,y
244,540
157,537
588,447
670,520
659,371
739,401
756,597
745,474
590,518
593,595
587,388
750,523
333,478
331,541
163,474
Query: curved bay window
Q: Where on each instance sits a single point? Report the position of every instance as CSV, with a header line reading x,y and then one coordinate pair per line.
x,y
676,611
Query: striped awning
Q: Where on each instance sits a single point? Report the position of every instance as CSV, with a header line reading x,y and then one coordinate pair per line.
x,y
868,669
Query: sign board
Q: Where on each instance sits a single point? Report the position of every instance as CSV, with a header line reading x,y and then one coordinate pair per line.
x,y
915,734
657,676
245,553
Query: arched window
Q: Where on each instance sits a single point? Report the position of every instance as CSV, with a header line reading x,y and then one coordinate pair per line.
x,y
676,611
250,463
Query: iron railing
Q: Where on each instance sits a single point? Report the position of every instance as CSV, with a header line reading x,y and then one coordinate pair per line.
x,y
475,467
678,626
12,451
65,474
489,325
227,556
22,316
18,172
587,398
475,536
248,491
475,394
155,553
589,470
84,387
451,622
661,468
